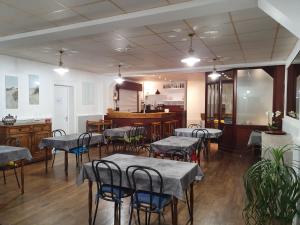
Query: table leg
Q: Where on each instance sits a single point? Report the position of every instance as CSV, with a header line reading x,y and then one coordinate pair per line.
x,y
46,160
90,201
208,149
192,201
66,163
99,148
175,213
22,177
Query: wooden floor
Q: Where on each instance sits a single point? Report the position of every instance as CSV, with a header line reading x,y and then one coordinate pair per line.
x,y
54,200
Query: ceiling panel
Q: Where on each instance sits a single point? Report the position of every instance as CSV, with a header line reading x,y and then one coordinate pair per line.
x,y
247,14
267,35
255,25
175,26
215,31
98,10
36,7
220,40
134,32
209,21
74,3
137,5
147,40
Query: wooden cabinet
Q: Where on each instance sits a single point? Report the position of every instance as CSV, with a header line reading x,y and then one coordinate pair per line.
x,y
29,135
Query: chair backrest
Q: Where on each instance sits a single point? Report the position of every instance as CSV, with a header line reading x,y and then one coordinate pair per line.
x,y
152,181
58,132
84,140
12,141
107,173
201,134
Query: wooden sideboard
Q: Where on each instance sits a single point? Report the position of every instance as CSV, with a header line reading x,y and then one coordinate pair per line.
x,y
29,135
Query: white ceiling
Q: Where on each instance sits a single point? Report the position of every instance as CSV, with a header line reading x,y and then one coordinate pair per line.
x,y
244,36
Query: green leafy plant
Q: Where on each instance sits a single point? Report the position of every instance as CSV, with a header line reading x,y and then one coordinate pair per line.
x,y
272,190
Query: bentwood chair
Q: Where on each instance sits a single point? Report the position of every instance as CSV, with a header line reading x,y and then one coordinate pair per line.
x,y
109,179
151,200
83,147
202,135
11,141
57,133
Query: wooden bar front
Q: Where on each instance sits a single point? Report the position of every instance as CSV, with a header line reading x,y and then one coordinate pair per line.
x,y
128,119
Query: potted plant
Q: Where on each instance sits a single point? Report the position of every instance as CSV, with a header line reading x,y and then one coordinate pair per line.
x,y
274,120
272,190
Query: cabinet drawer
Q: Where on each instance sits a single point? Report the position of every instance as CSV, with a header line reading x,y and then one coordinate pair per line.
x,y
17,130
38,128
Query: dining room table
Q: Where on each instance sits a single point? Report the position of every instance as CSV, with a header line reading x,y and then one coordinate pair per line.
x,y
187,144
119,132
13,154
66,143
211,133
178,177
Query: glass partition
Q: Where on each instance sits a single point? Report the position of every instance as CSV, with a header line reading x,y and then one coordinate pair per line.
x,y
254,97
293,88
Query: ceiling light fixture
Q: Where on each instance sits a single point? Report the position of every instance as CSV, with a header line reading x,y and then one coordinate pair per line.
x,y
192,58
119,79
214,74
61,70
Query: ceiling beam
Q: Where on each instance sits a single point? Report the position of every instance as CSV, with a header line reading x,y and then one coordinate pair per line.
x,y
186,10
199,68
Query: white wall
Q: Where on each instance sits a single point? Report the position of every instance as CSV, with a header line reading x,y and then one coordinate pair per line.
x,y
22,68
195,100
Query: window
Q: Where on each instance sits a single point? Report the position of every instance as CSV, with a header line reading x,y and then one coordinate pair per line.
x,y
88,93
254,96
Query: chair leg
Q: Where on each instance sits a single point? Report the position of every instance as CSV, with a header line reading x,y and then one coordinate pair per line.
x,y
81,158
149,218
16,175
131,213
88,153
96,209
53,158
4,177
138,215
159,219
119,214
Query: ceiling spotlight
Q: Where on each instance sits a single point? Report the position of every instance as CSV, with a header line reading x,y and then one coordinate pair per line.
x,y
192,58
214,74
61,70
119,79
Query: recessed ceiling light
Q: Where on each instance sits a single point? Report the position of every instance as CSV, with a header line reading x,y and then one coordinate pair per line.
x,y
172,36
177,30
184,39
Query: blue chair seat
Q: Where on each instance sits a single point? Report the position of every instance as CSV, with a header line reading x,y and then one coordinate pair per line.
x,y
143,197
79,150
106,191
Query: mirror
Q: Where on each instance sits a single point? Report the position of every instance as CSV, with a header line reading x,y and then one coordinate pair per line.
x,y
293,88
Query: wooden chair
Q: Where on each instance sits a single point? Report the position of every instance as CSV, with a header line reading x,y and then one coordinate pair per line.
x,y
168,128
11,141
155,131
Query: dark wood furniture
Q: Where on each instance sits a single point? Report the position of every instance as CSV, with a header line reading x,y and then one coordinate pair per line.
x,y
235,136
98,126
121,119
29,136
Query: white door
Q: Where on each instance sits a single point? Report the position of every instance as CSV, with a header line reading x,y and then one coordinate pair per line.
x,y
61,108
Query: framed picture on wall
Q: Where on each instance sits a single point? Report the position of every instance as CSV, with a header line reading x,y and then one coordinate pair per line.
x,y
34,89
11,92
